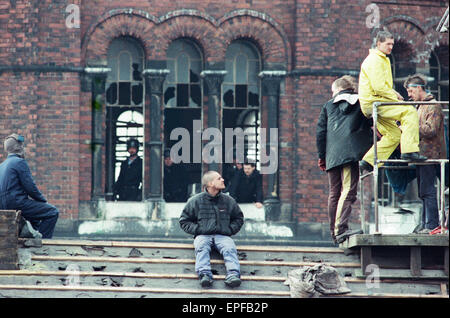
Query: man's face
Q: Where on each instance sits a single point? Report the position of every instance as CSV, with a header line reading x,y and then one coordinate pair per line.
x,y
386,46
132,151
217,182
167,161
248,169
415,93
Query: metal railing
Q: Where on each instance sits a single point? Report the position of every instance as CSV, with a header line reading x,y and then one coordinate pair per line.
x,y
376,167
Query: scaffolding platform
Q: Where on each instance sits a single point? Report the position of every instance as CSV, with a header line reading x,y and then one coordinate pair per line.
x,y
425,256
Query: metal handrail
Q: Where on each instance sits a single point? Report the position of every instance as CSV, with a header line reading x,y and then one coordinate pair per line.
x,y
376,162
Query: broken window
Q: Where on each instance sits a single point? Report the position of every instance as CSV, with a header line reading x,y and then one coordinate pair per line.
x,y
124,105
182,86
241,96
183,104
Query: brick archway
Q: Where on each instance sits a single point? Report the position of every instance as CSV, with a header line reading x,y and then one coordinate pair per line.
x,y
213,36
260,28
422,39
116,23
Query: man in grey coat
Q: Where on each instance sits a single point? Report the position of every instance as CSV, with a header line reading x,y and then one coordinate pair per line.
x,y
19,192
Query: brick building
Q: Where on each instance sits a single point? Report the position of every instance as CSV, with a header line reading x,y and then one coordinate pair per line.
x,y
78,78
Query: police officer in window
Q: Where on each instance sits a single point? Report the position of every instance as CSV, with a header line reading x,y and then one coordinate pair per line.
x,y
128,185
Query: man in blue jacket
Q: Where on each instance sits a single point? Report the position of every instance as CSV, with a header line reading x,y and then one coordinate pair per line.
x,y
19,192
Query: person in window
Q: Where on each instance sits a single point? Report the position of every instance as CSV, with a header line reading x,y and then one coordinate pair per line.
x,y
175,180
432,145
246,186
128,185
230,170
376,85
343,136
19,192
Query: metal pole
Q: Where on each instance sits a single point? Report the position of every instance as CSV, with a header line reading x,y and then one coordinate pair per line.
x,y
361,201
375,164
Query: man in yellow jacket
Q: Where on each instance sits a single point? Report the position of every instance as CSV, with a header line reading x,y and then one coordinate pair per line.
x,y
376,85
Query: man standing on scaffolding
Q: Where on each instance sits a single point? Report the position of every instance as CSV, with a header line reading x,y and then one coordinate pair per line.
x,y
376,85
432,144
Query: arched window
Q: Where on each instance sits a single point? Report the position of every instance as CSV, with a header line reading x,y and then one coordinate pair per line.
x,y
402,65
129,125
182,85
183,100
241,96
124,104
241,85
438,82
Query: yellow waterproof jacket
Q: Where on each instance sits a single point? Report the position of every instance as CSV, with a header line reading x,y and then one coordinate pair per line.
x,y
375,81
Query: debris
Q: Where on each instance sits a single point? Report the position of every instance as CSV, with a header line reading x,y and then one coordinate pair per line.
x,y
135,253
313,281
116,281
99,268
139,283
138,270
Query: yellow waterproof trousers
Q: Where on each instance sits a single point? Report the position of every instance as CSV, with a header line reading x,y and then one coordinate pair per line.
x,y
392,136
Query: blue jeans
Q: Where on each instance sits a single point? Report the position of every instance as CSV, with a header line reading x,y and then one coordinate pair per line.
x,y
226,247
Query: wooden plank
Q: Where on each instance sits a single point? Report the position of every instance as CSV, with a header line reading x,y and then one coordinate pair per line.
x,y
397,240
132,275
123,289
406,274
198,291
192,276
254,248
178,261
366,257
415,260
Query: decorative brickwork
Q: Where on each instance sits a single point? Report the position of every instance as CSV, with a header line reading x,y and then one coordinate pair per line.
x,y
46,96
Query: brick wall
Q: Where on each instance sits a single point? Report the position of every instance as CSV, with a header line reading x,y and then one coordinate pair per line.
x,y
308,38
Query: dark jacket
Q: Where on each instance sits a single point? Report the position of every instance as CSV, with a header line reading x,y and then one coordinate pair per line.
x,y
175,183
343,133
247,189
130,177
17,184
205,214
